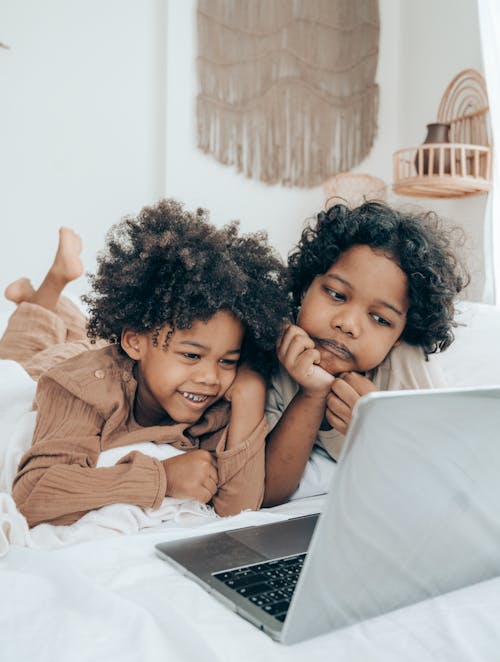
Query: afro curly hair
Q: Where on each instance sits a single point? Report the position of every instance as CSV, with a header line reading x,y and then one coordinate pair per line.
x,y
418,242
169,266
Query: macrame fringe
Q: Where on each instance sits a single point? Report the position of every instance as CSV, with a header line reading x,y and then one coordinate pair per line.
x,y
294,104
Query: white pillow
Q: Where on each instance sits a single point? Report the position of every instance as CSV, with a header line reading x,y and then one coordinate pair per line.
x,y
111,456
473,359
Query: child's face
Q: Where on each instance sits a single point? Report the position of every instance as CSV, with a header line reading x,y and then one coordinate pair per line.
x,y
195,370
356,311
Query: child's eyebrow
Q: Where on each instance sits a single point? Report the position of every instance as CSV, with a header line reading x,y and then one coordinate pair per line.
x,y
342,280
198,345
380,302
391,307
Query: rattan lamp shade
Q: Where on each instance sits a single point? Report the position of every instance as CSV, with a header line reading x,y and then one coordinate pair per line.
x,y
353,189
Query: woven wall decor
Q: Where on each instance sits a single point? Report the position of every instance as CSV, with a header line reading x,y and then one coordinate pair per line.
x,y
287,90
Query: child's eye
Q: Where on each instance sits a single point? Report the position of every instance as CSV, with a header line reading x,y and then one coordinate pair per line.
x,y
336,296
229,363
189,355
381,320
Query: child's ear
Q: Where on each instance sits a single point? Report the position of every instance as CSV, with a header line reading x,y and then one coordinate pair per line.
x,y
131,344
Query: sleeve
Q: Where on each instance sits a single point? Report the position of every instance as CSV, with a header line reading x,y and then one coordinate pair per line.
x,y
241,472
57,479
280,392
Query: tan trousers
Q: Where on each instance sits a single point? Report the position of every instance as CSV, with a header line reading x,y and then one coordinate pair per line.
x,y
38,338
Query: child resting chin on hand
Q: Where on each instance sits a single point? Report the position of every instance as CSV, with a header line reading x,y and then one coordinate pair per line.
x,y
374,290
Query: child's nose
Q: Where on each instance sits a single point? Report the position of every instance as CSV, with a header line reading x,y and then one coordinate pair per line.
x,y
348,321
208,373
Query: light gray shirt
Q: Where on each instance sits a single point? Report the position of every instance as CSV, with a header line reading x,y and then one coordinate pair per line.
x,y
403,368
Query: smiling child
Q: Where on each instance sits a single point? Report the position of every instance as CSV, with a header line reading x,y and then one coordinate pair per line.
x,y
184,319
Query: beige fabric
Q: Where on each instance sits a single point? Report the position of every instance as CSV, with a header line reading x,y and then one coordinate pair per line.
x,y
287,88
404,368
85,406
39,340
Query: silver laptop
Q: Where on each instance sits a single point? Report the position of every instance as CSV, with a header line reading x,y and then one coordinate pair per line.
x,y
413,511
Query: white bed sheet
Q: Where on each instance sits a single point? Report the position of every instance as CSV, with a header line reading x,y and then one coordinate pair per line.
x,y
96,590
113,599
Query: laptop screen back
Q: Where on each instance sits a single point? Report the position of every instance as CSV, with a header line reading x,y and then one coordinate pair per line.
x,y
413,511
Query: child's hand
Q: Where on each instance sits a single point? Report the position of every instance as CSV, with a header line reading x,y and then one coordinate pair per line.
x,y
192,475
345,392
297,353
247,385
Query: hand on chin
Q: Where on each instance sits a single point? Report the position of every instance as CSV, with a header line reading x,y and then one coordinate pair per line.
x,y
332,364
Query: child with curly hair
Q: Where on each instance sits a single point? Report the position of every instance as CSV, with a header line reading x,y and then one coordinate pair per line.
x,y
374,290
183,322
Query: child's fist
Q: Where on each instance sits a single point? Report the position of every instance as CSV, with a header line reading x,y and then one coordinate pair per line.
x,y
297,353
192,475
345,392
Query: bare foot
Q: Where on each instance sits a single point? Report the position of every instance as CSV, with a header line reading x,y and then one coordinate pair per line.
x,y
20,290
67,265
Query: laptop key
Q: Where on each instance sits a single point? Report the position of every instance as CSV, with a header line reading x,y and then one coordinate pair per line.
x,y
280,583
253,589
276,608
260,600
245,581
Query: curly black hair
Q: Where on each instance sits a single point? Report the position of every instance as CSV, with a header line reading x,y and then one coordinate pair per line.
x,y
418,242
171,266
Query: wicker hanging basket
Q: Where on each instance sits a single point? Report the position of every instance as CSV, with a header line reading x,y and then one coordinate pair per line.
x,y
461,166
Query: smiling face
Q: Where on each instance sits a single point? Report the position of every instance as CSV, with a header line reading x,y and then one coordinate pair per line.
x,y
356,311
181,382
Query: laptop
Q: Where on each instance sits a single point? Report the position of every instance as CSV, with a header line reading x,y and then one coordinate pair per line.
x,y
412,512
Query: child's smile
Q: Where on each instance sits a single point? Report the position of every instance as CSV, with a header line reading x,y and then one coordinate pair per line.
x,y
196,399
356,311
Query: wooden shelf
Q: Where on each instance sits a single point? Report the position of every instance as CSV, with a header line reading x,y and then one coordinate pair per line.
x,y
462,166
440,187
442,170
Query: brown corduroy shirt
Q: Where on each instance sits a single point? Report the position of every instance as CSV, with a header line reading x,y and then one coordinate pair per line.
x,y
85,406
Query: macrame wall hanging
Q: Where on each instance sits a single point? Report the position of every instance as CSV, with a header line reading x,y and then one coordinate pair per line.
x,y
287,90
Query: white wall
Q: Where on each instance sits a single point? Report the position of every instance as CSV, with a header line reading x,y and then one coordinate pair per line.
x,y
98,120
423,45
82,116
199,179
440,38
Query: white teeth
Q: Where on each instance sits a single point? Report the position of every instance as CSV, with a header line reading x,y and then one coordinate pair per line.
x,y
194,398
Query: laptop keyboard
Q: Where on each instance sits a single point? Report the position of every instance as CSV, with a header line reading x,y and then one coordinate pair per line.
x,y
269,585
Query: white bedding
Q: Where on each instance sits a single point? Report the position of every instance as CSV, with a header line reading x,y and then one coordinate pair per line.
x,y
95,590
114,600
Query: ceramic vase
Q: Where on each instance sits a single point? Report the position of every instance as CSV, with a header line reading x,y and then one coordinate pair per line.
x,y
436,133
